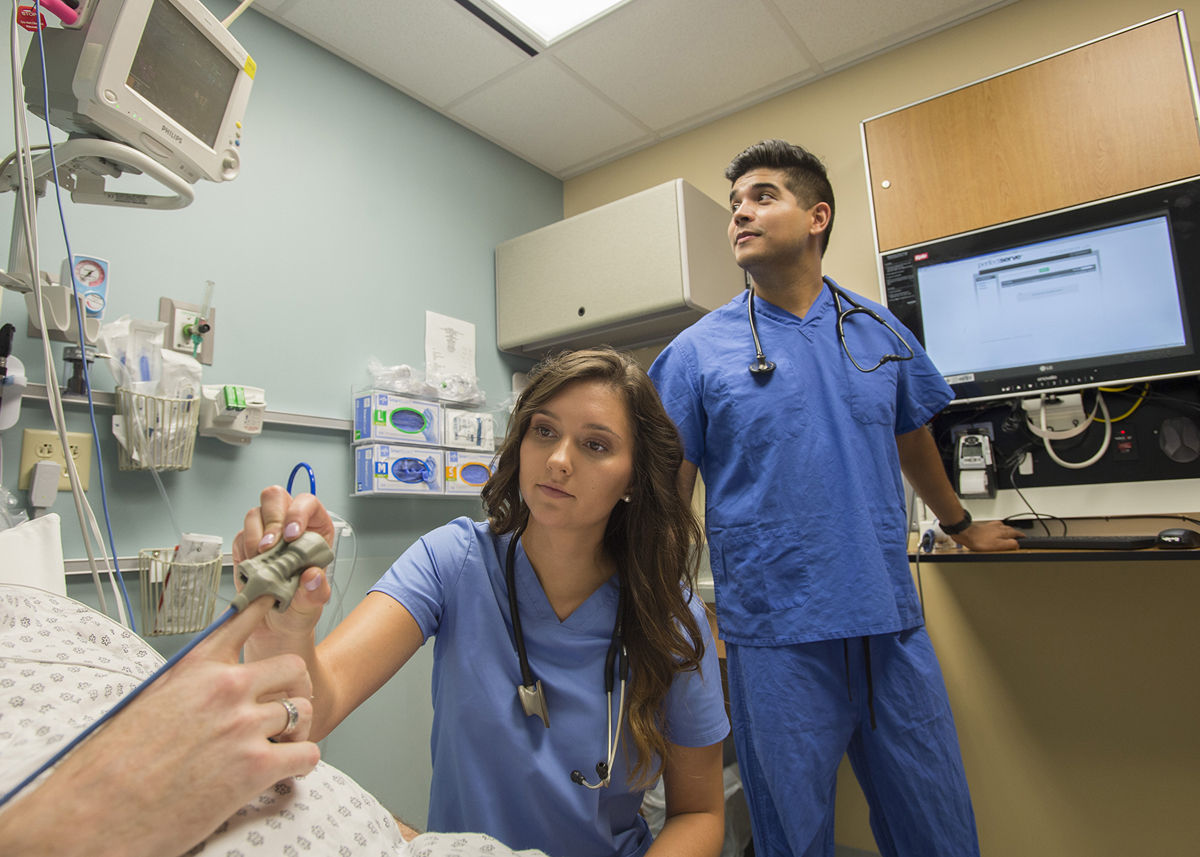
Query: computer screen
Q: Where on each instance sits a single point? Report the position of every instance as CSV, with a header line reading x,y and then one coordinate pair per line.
x,y
161,76
1100,294
177,69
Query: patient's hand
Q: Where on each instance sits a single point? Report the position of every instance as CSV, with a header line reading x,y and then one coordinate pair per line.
x,y
180,760
282,516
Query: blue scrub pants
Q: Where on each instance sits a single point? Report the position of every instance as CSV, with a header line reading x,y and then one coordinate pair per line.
x,y
793,718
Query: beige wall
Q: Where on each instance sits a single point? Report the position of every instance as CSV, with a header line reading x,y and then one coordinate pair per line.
x,y
1075,686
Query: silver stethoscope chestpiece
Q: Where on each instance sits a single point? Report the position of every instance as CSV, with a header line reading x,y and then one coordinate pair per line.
x,y
533,700
533,696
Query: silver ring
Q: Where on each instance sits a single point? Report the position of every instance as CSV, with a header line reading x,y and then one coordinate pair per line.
x,y
293,714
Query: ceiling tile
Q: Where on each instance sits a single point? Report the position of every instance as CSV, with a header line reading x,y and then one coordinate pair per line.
x,y
668,60
648,70
433,49
543,113
839,33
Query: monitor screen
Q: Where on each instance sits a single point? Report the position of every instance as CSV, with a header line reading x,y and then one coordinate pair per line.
x,y
1099,294
182,73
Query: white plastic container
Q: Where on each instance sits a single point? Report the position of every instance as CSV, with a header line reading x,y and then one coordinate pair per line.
x,y
472,430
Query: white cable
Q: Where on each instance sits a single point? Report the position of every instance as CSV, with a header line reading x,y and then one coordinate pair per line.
x,y
335,615
1080,465
236,13
1047,433
28,206
83,509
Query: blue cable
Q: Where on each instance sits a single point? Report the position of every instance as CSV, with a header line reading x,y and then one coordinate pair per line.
x,y
312,479
79,315
108,715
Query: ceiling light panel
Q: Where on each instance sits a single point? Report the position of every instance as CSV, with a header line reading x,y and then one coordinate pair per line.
x,y
549,20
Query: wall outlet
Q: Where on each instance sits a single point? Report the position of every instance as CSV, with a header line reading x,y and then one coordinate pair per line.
x,y
39,445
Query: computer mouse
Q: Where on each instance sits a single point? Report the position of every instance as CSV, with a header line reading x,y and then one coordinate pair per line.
x,y
1178,538
1179,439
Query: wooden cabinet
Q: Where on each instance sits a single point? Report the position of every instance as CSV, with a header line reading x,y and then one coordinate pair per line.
x,y
1108,117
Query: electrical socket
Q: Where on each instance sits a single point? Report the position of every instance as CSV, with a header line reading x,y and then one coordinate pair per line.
x,y
40,445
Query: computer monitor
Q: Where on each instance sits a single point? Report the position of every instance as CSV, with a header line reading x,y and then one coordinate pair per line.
x,y
1098,295
162,76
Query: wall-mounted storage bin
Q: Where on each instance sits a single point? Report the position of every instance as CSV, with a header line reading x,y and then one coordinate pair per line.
x,y
631,273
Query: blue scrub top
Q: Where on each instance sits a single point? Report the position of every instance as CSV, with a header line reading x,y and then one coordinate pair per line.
x,y
496,770
805,503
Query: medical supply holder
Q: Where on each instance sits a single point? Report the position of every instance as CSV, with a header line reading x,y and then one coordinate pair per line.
x,y
167,428
426,432
177,597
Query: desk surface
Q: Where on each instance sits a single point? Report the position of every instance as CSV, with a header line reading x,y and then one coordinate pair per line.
x,y
1145,555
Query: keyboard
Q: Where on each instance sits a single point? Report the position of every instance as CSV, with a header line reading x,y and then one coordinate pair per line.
x,y
1087,543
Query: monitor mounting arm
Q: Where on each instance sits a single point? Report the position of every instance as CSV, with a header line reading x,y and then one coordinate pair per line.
x,y
83,165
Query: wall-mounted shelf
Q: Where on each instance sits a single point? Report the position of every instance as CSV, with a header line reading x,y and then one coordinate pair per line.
x,y
125,564
270,418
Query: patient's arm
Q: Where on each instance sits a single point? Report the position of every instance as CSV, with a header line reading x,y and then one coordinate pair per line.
x,y
177,762
695,825
342,677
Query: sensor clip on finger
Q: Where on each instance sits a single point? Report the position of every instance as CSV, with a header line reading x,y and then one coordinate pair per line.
x,y
276,572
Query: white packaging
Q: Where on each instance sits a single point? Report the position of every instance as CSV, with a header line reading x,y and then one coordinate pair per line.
x,y
473,430
382,417
135,351
180,376
387,469
466,472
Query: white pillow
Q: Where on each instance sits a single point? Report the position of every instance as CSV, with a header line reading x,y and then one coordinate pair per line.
x,y
31,555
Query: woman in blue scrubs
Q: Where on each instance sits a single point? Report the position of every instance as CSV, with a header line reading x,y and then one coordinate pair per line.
x,y
585,483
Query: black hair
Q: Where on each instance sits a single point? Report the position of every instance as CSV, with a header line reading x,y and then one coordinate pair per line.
x,y
804,174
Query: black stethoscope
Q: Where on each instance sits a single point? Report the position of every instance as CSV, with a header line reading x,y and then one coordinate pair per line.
x,y
762,364
533,697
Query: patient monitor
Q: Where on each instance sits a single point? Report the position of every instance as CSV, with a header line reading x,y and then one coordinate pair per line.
x,y
161,76
153,87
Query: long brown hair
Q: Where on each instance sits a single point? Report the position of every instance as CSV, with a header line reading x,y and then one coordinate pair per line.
x,y
650,538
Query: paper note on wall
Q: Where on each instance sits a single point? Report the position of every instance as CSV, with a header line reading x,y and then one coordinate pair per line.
x,y
449,346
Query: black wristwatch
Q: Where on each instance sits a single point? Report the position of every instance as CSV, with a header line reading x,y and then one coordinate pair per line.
x,y
955,529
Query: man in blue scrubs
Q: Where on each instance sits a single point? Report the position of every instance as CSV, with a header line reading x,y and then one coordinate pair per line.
x,y
807,531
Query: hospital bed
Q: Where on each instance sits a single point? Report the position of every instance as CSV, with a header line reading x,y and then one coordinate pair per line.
x,y
63,664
